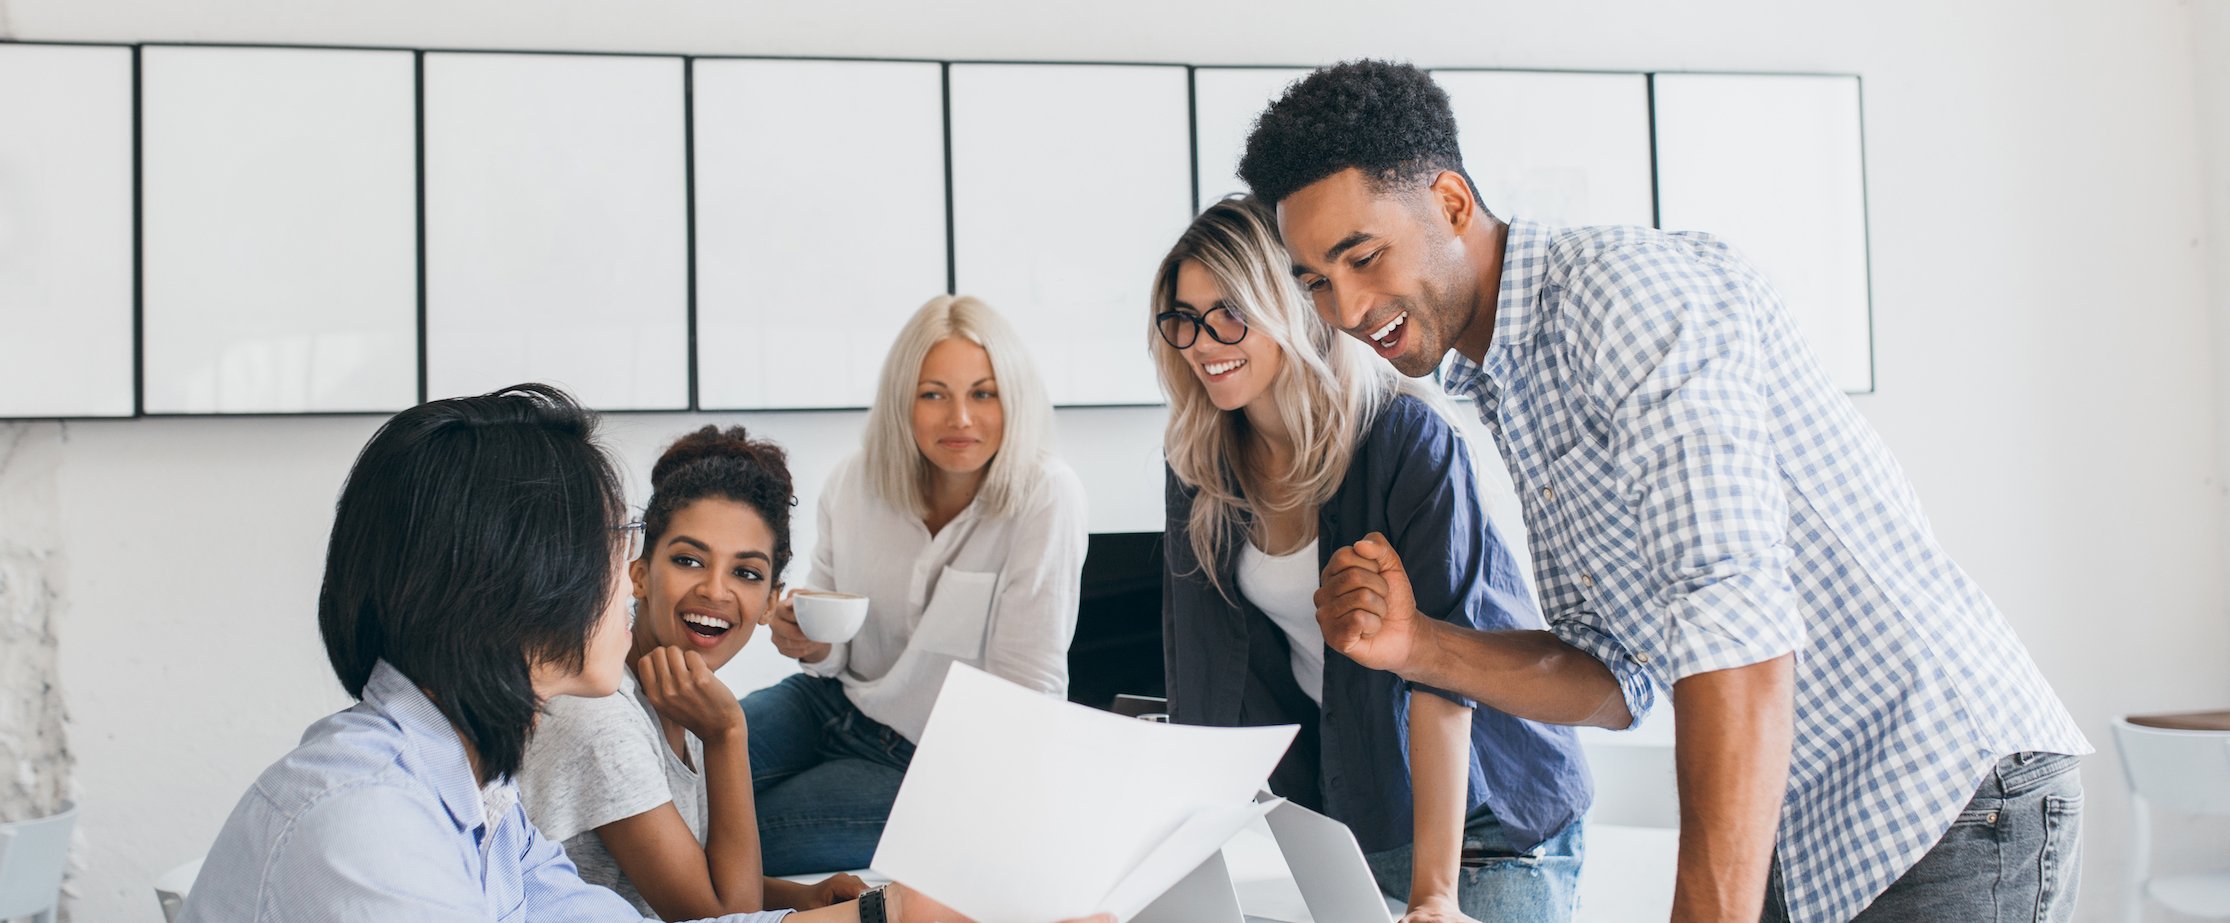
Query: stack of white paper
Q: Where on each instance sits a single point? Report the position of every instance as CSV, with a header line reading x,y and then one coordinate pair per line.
x,y
1020,808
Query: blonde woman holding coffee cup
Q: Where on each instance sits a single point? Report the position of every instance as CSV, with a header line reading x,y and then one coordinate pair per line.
x,y
828,616
964,535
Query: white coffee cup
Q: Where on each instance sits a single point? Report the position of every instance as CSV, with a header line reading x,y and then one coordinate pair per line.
x,y
828,616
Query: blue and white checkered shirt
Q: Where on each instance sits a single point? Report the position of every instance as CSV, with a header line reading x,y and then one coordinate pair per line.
x,y
1700,496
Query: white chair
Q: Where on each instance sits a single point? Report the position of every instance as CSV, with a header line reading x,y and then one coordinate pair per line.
x,y
170,890
32,856
2187,772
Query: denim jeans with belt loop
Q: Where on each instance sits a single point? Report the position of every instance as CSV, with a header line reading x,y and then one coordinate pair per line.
x,y
2014,855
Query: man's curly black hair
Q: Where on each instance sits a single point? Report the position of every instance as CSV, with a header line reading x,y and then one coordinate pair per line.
x,y
1385,118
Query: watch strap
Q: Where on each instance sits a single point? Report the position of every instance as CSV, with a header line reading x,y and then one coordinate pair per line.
x,y
871,906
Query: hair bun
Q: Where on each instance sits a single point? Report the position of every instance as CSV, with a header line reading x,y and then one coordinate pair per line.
x,y
712,442
727,464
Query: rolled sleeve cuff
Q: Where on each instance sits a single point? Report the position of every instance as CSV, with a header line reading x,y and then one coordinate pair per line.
x,y
839,654
1731,623
1415,688
1630,669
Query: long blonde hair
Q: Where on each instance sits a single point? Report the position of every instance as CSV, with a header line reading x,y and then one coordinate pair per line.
x,y
895,466
1329,387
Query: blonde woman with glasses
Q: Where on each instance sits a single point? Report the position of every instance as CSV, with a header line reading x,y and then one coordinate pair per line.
x,y
967,537
1286,441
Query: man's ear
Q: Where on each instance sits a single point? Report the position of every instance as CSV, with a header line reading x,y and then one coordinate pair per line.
x,y
1453,202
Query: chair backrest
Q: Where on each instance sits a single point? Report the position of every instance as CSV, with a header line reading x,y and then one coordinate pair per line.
x,y
32,856
171,889
2187,772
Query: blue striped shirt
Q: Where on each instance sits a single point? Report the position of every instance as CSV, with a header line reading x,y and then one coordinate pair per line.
x,y
1700,496
376,816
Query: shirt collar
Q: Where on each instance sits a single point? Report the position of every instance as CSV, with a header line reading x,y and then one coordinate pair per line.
x,y
630,689
434,747
1525,267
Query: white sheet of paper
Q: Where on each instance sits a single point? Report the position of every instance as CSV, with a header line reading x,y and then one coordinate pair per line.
x,y
1178,854
1021,808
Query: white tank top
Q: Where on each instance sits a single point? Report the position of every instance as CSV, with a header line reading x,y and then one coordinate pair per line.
x,y
1284,588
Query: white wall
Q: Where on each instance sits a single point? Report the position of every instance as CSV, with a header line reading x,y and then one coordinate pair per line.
x,y
2044,345
2210,43
2210,36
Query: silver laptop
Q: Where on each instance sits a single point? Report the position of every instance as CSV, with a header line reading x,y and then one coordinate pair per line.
x,y
1205,896
1328,866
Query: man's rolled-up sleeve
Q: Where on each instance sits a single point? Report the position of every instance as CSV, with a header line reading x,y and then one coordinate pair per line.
x,y
1672,360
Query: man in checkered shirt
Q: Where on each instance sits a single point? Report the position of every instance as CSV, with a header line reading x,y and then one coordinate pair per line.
x,y
1860,734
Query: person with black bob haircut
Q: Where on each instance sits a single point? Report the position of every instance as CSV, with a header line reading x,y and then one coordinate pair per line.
x,y
474,573
1709,514
472,544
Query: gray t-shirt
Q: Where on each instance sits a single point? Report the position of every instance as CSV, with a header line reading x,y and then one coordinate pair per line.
x,y
595,761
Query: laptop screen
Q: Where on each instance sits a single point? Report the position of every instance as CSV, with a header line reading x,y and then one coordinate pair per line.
x,y
1118,621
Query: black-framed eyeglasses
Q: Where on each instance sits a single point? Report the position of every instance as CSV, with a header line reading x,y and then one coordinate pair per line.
x,y
1181,329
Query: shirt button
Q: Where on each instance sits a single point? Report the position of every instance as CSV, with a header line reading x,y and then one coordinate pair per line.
x,y
1548,493
1588,579
1642,657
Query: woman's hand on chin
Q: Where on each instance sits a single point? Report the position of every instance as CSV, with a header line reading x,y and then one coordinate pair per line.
x,y
684,691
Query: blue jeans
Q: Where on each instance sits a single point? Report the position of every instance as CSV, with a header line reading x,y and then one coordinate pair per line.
x,y
1499,880
2013,855
824,776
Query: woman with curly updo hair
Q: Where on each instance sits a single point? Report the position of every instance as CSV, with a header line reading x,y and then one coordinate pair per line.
x,y
650,790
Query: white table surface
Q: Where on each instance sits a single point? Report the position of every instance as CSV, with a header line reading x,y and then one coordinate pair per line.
x,y
1627,876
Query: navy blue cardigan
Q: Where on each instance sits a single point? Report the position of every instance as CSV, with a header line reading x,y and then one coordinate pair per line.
x,y
1229,665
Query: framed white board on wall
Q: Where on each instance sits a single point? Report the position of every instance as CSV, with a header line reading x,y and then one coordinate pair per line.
x,y
557,226
1561,148
1226,101
279,221
1069,183
323,232
821,224
1775,165
66,251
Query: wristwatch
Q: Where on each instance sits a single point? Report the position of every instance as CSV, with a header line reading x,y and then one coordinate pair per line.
x,y
871,906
